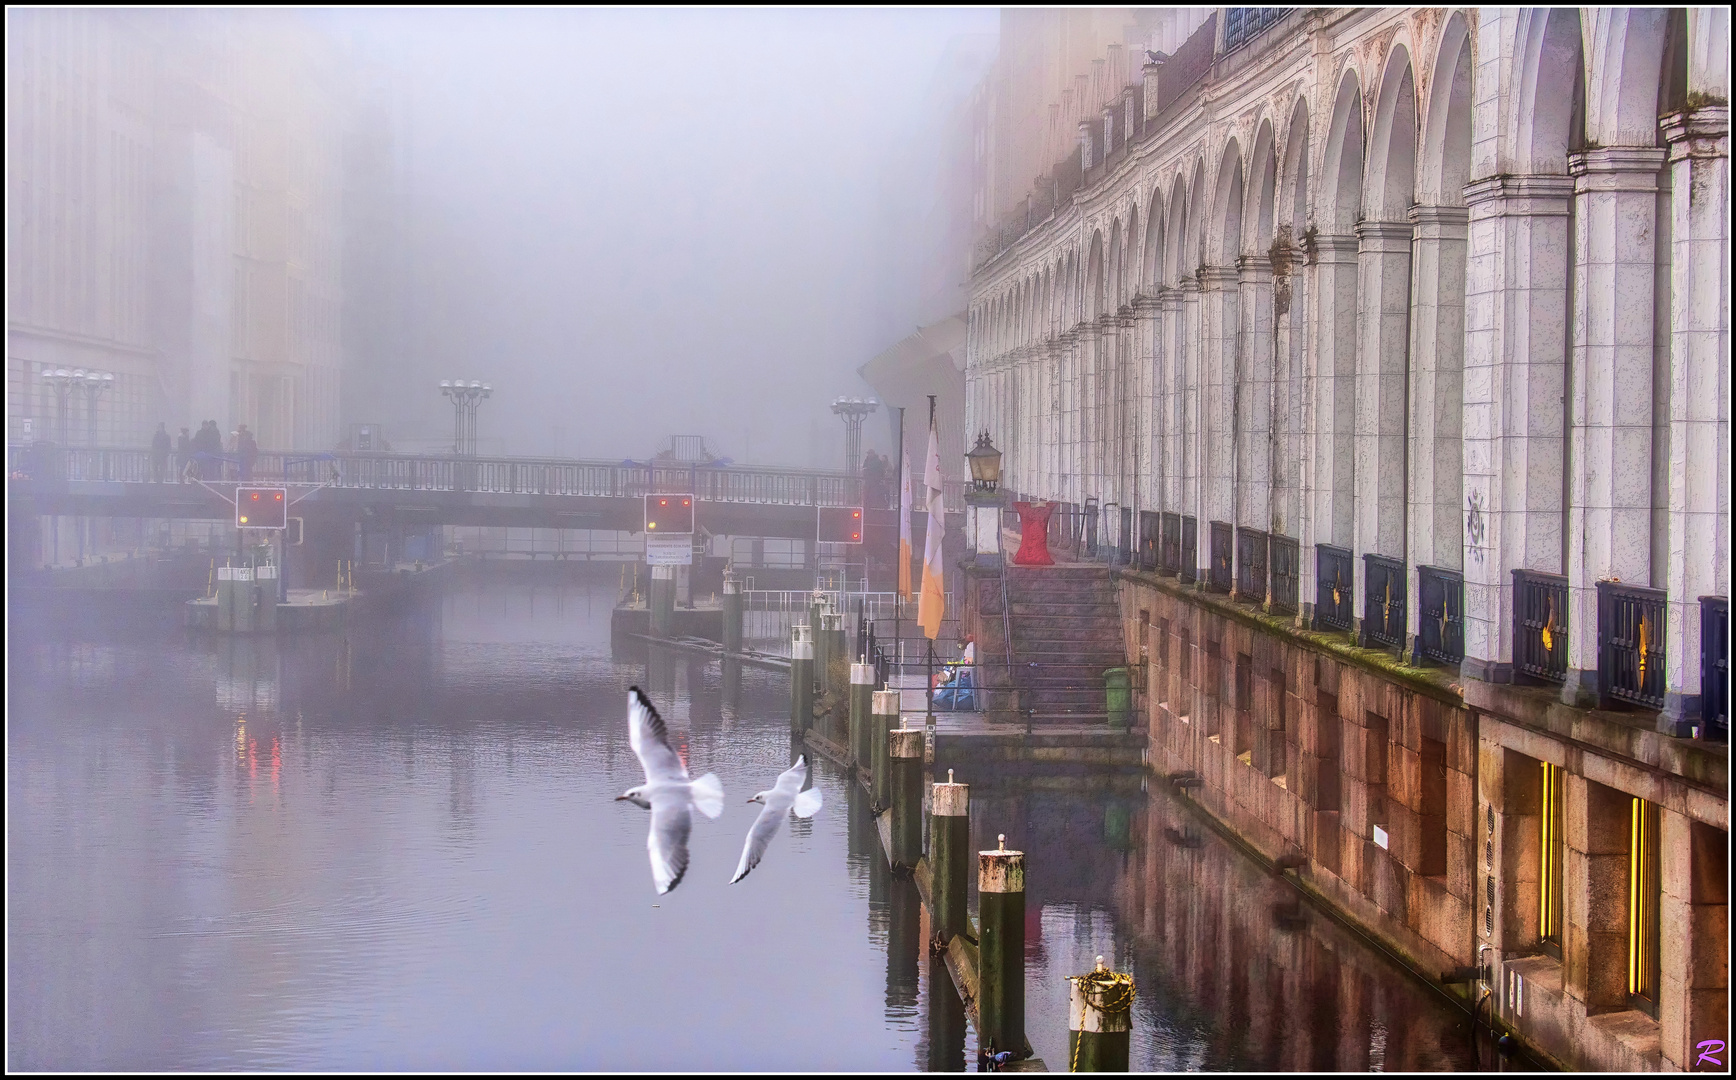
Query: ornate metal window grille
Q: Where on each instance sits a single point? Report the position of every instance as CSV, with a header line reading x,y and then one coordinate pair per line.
x,y
1125,542
1190,547
1383,602
1630,643
1540,625
1251,546
1715,668
1150,530
1171,564
1088,541
1334,581
1286,564
1440,614
1220,574
1242,24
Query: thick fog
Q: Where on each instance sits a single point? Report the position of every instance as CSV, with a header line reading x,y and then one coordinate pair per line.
x,y
638,223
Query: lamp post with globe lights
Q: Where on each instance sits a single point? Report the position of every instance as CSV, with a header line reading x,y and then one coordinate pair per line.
x,y
853,411
466,397
91,383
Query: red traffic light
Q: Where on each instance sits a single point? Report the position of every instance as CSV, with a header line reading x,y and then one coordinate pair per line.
x,y
839,525
669,513
261,508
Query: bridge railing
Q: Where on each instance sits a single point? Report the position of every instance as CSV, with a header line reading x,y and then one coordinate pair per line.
x,y
416,472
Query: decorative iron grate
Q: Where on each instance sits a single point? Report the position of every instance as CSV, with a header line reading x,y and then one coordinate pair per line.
x,y
1334,578
1088,538
1630,643
1150,537
1440,614
1251,547
1171,564
1190,548
1286,560
1220,572
1540,625
1125,545
1383,601
1244,24
1715,668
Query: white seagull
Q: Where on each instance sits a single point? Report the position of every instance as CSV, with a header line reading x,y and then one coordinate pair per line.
x,y
785,796
666,792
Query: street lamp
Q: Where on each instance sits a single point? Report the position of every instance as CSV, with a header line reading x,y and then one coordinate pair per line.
x,y
465,398
853,411
985,464
983,502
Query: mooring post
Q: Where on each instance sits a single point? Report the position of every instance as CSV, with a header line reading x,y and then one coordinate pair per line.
x,y
732,618
949,856
818,675
1001,950
880,724
662,601
906,754
836,645
1099,1020
801,679
861,702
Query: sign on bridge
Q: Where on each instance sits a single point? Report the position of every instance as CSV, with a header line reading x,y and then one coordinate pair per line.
x,y
674,549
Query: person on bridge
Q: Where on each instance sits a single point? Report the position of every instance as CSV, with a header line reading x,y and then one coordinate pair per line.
x,y
183,454
249,451
159,454
209,442
874,481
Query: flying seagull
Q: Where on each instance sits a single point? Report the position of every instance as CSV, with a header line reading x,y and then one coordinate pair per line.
x,y
666,792
786,795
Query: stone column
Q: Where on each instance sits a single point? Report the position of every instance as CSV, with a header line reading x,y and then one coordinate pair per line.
x,y
1299,316
1219,300
1699,514
1085,439
1436,394
1254,395
1334,379
1170,375
1149,311
1382,361
1516,323
1610,455
1193,462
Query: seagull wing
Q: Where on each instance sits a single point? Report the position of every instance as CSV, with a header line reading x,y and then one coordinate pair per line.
x,y
764,828
671,822
651,741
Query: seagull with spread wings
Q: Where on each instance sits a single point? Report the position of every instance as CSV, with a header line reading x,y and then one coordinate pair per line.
x,y
667,792
786,796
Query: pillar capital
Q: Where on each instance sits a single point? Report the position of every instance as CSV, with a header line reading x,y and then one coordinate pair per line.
x,y
1384,236
1440,221
1616,168
1529,195
1254,269
1701,133
1329,248
1217,277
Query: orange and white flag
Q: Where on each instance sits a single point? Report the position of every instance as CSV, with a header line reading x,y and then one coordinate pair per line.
x,y
904,500
931,606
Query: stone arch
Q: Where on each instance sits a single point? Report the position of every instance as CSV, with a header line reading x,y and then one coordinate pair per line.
x,y
1390,183
1130,261
1341,186
1225,236
1444,165
1153,248
1111,299
1263,177
1196,229
1627,60
1297,197
1094,285
1176,232
1547,123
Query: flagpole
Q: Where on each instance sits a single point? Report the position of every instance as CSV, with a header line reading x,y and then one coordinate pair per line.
x,y
928,525
902,560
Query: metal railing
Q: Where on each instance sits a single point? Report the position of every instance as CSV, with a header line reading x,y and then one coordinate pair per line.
x,y
1170,565
1715,668
1251,548
1440,615
1540,626
1220,574
1244,24
1124,542
1150,539
1630,643
1384,603
1334,583
1190,547
1286,559
414,472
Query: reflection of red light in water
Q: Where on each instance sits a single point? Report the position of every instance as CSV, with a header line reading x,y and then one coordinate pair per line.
x,y
276,761
252,761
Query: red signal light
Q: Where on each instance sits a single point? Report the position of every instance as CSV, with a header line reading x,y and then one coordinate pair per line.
x,y
256,496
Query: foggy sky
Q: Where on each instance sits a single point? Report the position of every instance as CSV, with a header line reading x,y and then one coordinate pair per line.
x,y
638,223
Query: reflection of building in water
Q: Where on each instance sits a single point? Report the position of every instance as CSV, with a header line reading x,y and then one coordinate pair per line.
x,y
249,676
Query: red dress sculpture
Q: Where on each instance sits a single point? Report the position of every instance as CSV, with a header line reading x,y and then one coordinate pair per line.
x,y
1033,534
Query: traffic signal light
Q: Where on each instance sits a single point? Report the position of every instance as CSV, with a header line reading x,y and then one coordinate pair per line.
x,y
840,525
668,514
261,508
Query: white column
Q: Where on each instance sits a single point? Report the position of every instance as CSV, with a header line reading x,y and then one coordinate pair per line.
x,y
1610,454
1334,391
1382,357
1220,319
1151,426
1193,447
1516,323
1699,515
1170,402
1253,390
1298,314
1436,398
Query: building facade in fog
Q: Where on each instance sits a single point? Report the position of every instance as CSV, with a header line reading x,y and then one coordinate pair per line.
x,y
1411,323
176,216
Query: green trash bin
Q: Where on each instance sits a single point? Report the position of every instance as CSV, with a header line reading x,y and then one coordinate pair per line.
x,y
1117,696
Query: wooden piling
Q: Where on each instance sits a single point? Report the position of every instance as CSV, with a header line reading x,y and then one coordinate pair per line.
x,y
1001,950
1099,1020
949,856
906,783
732,616
816,624
881,722
801,679
662,601
837,645
861,704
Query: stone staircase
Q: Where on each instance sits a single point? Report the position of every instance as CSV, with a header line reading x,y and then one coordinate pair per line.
x,y
1066,621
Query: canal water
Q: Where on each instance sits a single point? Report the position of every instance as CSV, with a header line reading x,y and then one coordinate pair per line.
x,y
398,849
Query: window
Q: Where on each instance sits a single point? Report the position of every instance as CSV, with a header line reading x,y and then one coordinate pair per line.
x,y
1550,855
1642,980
